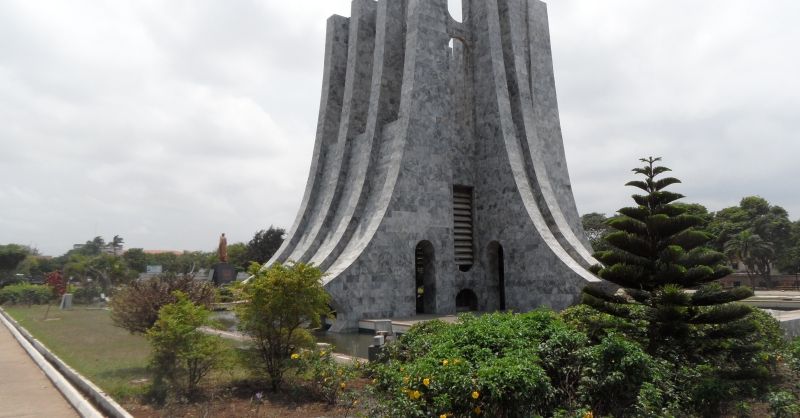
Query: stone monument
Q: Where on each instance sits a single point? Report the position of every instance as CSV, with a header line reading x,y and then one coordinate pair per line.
x,y
223,272
438,181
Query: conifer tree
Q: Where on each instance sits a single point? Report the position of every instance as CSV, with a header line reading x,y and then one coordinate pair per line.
x,y
656,254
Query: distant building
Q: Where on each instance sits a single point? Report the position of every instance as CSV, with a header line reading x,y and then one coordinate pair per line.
x,y
105,249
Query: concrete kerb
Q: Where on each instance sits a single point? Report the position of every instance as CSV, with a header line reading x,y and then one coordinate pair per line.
x,y
75,388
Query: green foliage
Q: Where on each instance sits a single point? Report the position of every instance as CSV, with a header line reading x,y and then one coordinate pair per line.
x,y
264,244
754,217
25,294
793,354
135,307
10,257
136,259
783,404
616,370
505,364
595,227
237,256
86,294
278,304
181,354
328,378
657,252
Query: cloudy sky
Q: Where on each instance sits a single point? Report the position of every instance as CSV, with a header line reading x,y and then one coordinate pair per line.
x,y
169,122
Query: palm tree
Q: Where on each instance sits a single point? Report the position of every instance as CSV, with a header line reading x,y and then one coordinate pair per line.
x,y
116,243
753,251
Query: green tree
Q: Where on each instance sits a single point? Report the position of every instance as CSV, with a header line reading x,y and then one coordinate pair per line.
x,y
264,244
237,256
656,254
752,251
278,306
790,263
136,259
93,247
116,244
757,216
11,256
594,224
182,354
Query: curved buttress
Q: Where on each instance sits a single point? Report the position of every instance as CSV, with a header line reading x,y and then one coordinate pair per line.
x,y
515,141
330,109
387,74
513,15
352,123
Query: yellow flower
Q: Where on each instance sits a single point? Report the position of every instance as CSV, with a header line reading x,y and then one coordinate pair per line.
x,y
475,394
426,381
444,362
443,416
405,379
295,356
414,395
477,410
588,414
342,385
322,353
374,381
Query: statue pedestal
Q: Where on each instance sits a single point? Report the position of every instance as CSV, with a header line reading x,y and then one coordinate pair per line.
x,y
224,273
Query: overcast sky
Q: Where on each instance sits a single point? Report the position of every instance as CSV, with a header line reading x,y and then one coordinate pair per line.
x,y
169,122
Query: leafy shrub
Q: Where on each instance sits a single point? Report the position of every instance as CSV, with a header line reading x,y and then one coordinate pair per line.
x,y
84,295
278,305
597,325
783,404
25,294
793,354
511,365
181,354
328,378
616,371
225,294
135,307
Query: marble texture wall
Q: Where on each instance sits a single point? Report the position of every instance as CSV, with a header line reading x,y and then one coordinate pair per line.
x,y
403,119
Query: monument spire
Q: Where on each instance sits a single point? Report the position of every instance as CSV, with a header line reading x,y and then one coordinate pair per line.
x,y
438,181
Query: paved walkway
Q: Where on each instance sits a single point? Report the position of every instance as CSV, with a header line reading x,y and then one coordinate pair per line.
x,y
25,391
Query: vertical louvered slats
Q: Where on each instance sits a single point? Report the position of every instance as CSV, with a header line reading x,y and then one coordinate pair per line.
x,y
462,226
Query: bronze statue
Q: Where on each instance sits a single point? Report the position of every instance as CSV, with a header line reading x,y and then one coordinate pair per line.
x,y
222,250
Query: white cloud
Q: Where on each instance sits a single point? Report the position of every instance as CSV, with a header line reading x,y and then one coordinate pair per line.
x,y
170,122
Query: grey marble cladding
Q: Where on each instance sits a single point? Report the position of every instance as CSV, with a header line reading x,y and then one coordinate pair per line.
x,y
403,118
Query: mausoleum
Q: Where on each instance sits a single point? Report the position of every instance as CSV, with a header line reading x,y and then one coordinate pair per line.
x,y
438,181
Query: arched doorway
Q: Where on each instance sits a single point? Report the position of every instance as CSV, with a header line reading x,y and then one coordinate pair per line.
x,y
466,300
497,271
425,277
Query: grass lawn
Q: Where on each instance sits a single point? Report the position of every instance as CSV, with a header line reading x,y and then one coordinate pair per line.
x,y
87,340
115,360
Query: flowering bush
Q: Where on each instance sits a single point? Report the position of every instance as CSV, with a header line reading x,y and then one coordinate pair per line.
x,y
328,379
510,365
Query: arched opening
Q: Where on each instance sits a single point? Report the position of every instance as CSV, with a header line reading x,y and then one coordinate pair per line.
x,y
455,7
466,300
497,272
425,277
